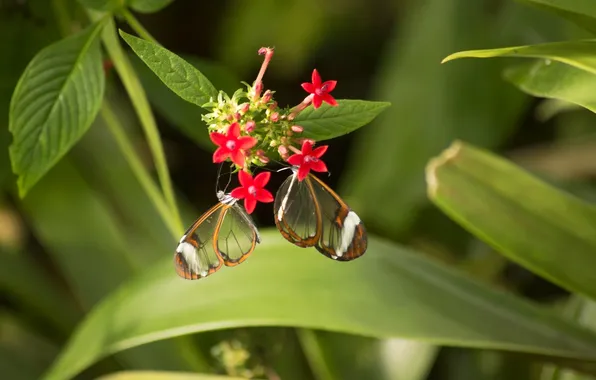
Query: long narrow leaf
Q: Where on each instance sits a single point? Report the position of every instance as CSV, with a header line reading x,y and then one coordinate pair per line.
x,y
545,230
390,292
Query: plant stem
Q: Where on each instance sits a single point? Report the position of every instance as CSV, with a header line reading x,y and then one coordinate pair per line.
x,y
314,354
140,103
137,167
62,17
137,26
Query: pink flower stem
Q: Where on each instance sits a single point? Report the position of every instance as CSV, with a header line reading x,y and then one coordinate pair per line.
x,y
258,84
300,107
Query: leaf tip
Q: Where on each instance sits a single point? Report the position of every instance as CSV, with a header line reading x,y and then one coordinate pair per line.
x,y
450,57
432,183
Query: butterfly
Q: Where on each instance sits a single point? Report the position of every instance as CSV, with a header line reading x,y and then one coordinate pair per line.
x,y
309,214
225,234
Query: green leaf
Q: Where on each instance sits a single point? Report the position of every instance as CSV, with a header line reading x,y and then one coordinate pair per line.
x,y
102,5
581,12
163,375
541,228
328,122
54,103
180,113
180,76
385,294
555,80
580,54
148,6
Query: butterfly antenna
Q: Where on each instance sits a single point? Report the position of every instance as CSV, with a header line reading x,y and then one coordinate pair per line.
x,y
229,178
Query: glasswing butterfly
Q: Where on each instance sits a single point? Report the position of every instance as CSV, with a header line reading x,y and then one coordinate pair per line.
x,y
309,214
225,234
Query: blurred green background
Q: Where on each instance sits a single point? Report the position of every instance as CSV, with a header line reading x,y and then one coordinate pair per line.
x,y
87,227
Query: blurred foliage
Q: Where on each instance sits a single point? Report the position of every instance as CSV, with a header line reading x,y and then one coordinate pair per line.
x,y
87,288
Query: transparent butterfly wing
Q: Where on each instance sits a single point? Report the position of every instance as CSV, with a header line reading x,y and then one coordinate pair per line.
x,y
343,236
237,235
296,214
195,256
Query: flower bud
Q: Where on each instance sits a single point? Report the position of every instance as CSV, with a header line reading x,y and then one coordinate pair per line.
x,y
250,126
237,116
244,107
274,117
297,128
267,97
263,159
283,152
230,118
273,143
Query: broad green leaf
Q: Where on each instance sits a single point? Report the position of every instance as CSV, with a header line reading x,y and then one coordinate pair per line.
x,y
24,34
539,227
102,5
54,103
328,122
555,80
181,114
581,12
431,106
180,76
148,6
162,375
390,292
578,54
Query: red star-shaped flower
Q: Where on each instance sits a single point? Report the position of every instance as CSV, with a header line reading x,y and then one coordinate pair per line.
x,y
320,91
231,145
308,160
252,190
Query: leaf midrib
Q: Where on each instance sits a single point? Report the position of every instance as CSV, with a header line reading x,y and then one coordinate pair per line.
x,y
84,50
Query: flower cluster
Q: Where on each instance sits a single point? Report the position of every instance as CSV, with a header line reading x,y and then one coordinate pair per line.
x,y
249,128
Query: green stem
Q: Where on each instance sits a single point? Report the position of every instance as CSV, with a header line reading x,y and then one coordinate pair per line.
x,y
137,26
314,354
140,103
62,16
137,167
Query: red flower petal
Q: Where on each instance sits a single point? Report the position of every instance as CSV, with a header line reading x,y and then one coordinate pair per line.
x,y
234,130
306,148
316,78
261,179
317,101
295,160
218,138
303,171
308,87
264,196
245,179
249,204
237,157
318,166
329,99
246,142
319,151
329,85
221,154
239,193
